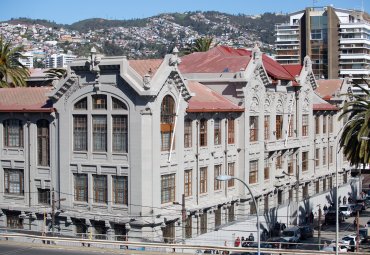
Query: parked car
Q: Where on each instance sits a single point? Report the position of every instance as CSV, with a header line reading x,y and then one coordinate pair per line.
x,y
330,217
306,231
346,210
350,242
331,247
292,235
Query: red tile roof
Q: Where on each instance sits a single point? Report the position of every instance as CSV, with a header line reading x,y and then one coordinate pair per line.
x,y
226,59
207,100
327,88
325,107
145,66
293,70
29,99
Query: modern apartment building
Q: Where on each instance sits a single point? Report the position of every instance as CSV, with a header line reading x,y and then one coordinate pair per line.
x,y
118,142
27,60
337,41
59,60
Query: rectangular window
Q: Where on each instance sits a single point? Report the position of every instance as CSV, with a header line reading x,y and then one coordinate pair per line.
x,y
324,185
217,183
291,126
188,175
44,196
290,164
317,157
253,128
267,127
304,161
266,170
120,190
119,133
217,132
253,171
81,187
317,125
203,132
279,162
266,204
280,197
43,143
169,233
305,191
324,156
188,134
324,119
203,223
252,208
231,172
99,126
203,180
99,102
218,217
13,133
80,132
231,131
305,125
330,122
231,213
100,188
13,181
188,227
166,140
279,127
168,187
331,155
317,185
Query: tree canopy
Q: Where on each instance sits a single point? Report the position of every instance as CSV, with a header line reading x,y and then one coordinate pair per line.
x,y
12,72
356,131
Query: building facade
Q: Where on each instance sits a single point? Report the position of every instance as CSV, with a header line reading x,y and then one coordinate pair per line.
x,y
118,143
336,40
59,60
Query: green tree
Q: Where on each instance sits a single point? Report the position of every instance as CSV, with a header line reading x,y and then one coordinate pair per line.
x,y
55,73
12,72
354,139
201,44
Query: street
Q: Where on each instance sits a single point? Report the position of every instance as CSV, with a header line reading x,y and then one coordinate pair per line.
x,y
346,228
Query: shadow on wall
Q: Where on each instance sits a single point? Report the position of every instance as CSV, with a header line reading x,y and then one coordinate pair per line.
x,y
271,217
304,211
354,191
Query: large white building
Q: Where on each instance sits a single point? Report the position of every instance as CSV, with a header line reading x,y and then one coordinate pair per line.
x,y
59,60
119,141
27,59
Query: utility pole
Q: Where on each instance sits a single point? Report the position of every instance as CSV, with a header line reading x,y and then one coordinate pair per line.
x,y
183,213
358,231
319,227
52,211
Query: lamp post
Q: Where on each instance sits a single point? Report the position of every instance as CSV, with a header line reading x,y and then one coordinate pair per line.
x,y
227,178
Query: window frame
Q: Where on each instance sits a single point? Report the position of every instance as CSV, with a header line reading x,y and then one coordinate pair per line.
x,y
230,131
231,172
266,127
203,179
188,133
168,188
120,189
43,142
100,189
253,171
188,182
304,161
203,133
217,185
79,186
11,184
253,128
305,125
217,131
13,133
279,126
168,114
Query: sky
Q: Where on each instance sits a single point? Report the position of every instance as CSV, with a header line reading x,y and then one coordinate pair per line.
x,y
69,11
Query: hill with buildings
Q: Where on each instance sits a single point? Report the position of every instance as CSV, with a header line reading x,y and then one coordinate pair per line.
x,y
143,38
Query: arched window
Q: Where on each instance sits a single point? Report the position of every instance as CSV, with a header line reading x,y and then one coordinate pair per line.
x,y
99,117
13,133
43,143
167,122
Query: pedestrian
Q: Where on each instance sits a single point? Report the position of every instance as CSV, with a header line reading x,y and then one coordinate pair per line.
x,y
237,242
354,224
325,208
311,217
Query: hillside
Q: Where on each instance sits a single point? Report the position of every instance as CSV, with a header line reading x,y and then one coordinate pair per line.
x,y
151,37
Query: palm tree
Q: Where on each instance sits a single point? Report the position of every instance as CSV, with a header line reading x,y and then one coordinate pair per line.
x,y
55,73
201,44
12,72
356,133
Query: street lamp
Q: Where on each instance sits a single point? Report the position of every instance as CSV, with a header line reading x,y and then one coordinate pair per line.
x,y
227,178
